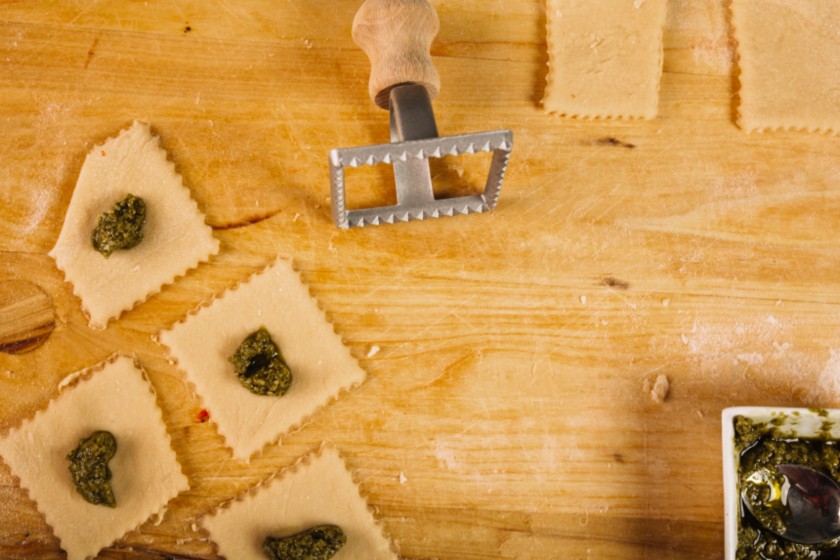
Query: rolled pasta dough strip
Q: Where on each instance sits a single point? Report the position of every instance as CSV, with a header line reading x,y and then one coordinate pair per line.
x,y
605,57
789,59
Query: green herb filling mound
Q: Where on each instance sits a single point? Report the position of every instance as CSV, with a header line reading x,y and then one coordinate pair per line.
x,y
121,228
260,366
89,468
318,543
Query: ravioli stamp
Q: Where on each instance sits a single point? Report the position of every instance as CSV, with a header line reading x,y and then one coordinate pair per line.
x,y
605,58
789,64
314,498
131,226
142,474
275,300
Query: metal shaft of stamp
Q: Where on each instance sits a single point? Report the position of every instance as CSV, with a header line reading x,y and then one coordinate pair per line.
x,y
412,118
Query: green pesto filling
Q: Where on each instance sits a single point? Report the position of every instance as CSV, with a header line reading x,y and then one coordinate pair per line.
x,y
762,492
259,365
765,446
121,228
318,543
89,468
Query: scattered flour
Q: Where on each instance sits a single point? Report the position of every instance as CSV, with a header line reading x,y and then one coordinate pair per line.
x,y
714,52
735,341
734,186
750,359
826,390
446,456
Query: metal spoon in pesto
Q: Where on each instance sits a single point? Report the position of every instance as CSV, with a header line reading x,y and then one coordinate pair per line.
x,y
797,503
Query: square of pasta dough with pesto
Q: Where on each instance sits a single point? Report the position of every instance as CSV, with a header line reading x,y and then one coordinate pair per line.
x,y
275,299
319,490
116,397
605,57
175,237
789,59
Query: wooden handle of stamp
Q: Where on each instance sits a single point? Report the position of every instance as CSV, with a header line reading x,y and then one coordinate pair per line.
x,y
397,35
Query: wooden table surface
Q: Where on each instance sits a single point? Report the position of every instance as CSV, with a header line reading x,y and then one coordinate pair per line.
x,y
506,413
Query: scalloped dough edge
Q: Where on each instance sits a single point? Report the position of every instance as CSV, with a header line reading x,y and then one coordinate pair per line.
x,y
738,44
587,117
175,276
68,383
298,465
296,427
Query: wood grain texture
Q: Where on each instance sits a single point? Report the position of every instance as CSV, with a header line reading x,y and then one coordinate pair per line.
x,y
505,414
27,316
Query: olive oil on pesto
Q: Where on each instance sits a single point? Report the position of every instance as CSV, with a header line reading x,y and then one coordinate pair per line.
x,y
764,445
121,228
318,543
260,366
89,468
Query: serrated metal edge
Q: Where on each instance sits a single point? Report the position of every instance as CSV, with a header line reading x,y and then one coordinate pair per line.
x,y
500,142
439,209
423,149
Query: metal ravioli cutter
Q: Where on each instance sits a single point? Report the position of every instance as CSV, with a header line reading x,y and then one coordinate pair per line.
x,y
397,35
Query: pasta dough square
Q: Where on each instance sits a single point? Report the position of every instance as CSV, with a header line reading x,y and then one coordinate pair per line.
x,y
317,491
320,363
113,396
789,59
175,237
605,57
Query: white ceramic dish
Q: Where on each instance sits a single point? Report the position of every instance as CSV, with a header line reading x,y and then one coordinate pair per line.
x,y
801,422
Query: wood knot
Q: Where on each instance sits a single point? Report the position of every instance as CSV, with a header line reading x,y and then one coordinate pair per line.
x,y
611,141
27,316
611,282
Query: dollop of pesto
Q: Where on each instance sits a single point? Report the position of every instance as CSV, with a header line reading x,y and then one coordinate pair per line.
x,y
765,446
762,492
121,228
89,468
260,366
318,543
